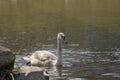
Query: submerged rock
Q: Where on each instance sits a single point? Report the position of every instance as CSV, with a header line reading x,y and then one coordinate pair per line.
x,y
30,73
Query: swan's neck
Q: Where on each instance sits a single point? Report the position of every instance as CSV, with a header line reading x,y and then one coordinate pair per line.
x,y
59,50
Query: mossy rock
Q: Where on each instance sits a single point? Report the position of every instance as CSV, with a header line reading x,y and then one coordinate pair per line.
x,y
7,59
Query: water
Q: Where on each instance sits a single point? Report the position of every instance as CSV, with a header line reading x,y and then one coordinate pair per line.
x,y
91,28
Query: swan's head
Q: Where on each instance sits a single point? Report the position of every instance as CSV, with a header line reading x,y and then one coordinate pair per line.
x,y
61,36
30,60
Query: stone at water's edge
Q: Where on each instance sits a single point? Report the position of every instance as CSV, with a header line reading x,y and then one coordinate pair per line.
x,y
7,59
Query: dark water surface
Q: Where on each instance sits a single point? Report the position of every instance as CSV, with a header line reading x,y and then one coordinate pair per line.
x,y
92,28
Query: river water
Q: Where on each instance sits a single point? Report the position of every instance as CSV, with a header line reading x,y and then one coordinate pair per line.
x,y
92,29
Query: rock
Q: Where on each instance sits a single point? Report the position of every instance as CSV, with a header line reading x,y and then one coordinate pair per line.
x,y
7,59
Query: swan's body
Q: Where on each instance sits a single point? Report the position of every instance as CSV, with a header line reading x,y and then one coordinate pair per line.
x,y
42,58
46,58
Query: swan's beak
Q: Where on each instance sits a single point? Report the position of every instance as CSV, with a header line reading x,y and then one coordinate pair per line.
x,y
64,39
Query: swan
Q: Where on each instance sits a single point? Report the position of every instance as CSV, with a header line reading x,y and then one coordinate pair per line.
x,y
46,58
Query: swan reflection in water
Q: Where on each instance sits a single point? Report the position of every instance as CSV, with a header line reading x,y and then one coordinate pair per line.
x,y
44,73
